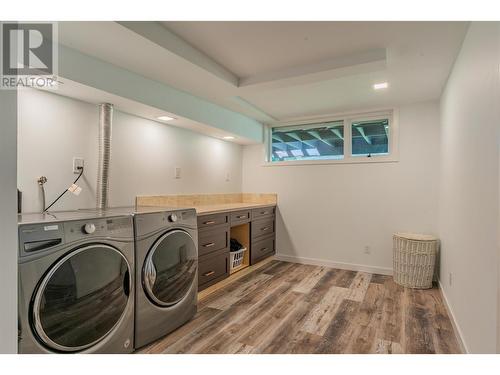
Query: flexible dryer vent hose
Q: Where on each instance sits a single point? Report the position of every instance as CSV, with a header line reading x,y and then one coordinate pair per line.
x,y
105,132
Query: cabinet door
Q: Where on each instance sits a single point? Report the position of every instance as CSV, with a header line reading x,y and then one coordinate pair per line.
x,y
262,227
212,240
213,268
240,217
262,212
262,249
207,221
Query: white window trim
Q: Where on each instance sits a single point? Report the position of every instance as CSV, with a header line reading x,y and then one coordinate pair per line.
x,y
393,155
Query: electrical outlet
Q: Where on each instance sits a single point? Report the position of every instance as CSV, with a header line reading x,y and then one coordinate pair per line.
x,y
368,250
78,163
450,278
177,173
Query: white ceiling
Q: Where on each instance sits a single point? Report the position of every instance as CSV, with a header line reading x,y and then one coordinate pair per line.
x,y
251,48
281,70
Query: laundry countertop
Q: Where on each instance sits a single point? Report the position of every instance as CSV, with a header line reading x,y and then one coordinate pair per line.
x,y
228,207
206,204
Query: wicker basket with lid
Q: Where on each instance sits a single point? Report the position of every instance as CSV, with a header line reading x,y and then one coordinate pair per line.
x,y
414,259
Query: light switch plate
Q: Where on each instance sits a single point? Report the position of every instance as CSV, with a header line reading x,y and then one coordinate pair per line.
x,y
177,172
78,163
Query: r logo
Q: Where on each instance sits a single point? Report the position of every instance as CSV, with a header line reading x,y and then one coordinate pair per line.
x,y
27,49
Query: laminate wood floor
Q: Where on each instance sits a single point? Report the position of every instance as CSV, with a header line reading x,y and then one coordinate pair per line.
x,y
283,307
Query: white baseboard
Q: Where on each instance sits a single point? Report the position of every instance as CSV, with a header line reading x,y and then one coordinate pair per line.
x,y
456,326
329,263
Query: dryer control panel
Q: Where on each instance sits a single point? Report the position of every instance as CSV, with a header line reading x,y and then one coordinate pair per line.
x,y
119,227
149,223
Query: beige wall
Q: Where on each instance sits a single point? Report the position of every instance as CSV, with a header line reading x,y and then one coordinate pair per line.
x,y
469,188
329,213
53,129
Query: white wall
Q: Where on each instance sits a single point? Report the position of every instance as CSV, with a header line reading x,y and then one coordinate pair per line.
x,y
8,222
53,129
331,212
469,188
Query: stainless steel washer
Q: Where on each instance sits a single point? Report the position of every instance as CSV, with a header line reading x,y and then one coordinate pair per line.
x,y
166,272
76,283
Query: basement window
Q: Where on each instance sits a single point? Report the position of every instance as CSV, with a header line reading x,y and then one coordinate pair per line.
x,y
349,139
370,138
319,141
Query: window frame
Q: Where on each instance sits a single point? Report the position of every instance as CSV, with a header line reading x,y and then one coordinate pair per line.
x,y
393,138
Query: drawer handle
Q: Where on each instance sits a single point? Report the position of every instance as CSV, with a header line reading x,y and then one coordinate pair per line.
x,y
263,249
263,212
209,222
209,273
209,244
265,228
241,217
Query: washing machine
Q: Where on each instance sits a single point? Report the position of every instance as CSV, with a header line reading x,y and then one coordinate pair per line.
x,y
76,283
166,244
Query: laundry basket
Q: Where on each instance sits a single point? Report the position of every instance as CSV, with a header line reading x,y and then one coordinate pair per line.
x,y
414,257
236,258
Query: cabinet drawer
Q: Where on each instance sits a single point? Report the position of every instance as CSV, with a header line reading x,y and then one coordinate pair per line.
x,y
212,240
240,217
261,212
262,227
213,268
206,221
262,249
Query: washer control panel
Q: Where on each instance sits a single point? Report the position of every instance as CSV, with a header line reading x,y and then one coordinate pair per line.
x,y
37,239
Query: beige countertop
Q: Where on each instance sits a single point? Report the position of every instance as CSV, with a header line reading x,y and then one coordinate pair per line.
x,y
228,207
210,203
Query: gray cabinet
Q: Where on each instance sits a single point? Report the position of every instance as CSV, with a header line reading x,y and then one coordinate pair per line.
x,y
262,248
262,227
263,234
240,217
214,233
213,249
213,268
207,221
261,212
210,241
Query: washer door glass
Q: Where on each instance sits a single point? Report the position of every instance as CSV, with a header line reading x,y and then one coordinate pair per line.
x,y
82,298
170,268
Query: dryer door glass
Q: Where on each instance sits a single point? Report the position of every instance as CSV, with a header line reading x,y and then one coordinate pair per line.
x,y
82,298
170,268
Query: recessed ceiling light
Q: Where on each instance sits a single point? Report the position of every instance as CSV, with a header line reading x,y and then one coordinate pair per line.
x,y
228,137
165,118
381,85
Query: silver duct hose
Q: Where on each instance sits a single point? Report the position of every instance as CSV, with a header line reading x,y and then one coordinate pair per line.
x,y
105,130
